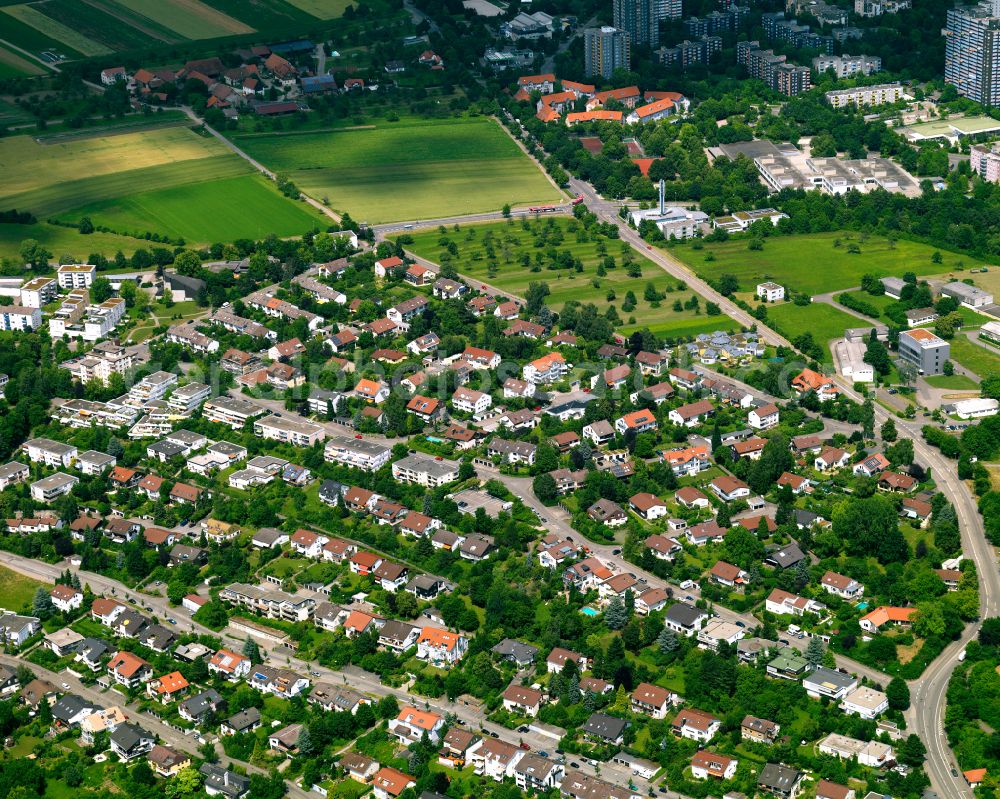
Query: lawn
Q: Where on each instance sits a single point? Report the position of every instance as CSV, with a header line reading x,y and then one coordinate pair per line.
x,y
407,170
510,241
206,212
62,241
811,263
952,382
824,321
16,590
191,19
48,32
978,360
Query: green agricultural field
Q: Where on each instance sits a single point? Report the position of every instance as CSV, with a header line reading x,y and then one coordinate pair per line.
x,y
511,241
824,321
29,38
114,32
15,65
323,9
206,212
48,33
27,165
397,171
16,590
263,15
191,19
811,264
61,241
977,359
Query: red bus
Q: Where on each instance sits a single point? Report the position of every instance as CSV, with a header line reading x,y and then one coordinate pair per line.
x,y
577,200
542,209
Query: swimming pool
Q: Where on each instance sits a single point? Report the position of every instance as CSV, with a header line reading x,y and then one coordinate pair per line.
x,y
589,611
862,605
434,439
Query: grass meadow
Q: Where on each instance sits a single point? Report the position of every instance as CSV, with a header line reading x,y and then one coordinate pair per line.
x,y
511,241
824,321
812,264
16,590
980,360
322,9
62,241
401,171
262,14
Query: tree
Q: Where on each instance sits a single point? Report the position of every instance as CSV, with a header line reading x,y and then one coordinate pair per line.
x,y
544,486
913,751
251,651
898,694
668,642
888,431
615,615
187,263
305,742
34,254
86,227
815,651
100,290
41,605
870,526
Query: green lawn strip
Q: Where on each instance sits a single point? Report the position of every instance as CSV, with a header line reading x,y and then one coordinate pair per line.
x,y
138,20
824,321
56,200
62,241
566,284
953,382
978,360
206,212
811,264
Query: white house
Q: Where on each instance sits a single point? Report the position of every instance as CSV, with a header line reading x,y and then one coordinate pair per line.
x,y
770,292
764,417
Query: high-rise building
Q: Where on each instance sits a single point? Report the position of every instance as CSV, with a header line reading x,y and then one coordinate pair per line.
x,y
972,51
605,50
641,18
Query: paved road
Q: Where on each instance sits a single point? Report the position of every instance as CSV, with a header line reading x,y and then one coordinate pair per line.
x,y
925,716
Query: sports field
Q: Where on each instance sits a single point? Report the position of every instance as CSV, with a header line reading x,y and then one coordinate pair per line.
x,y
511,241
407,170
824,321
246,207
811,263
